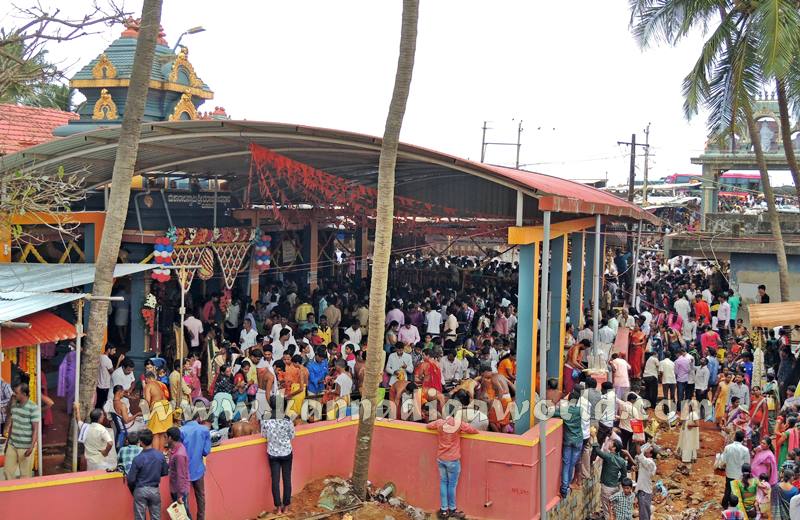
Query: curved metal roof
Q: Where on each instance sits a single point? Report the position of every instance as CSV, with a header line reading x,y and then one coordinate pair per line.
x,y
220,148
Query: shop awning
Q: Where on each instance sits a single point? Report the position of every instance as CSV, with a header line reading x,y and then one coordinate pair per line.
x,y
774,314
45,327
29,288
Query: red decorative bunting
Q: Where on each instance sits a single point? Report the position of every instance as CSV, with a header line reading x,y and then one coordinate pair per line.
x,y
286,184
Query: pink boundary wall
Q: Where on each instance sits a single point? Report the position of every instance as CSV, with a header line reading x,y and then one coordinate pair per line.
x,y
500,471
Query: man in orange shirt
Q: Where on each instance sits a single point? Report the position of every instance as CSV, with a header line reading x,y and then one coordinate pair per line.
x,y
508,365
701,308
448,458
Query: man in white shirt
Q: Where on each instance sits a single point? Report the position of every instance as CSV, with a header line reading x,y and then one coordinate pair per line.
x,y
734,457
195,328
354,333
723,317
606,411
97,441
646,467
433,321
248,335
605,340
701,377
284,340
453,370
682,307
399,360
666,367
648,317
275,333
451,326
104,370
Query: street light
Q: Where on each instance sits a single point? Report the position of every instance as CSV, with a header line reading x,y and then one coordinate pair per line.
x,y
193,30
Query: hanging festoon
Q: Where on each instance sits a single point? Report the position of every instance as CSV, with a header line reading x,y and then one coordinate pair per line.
x,y
162,256
262,253
149,313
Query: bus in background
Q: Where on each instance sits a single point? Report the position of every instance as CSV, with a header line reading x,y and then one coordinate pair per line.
x,y
732,184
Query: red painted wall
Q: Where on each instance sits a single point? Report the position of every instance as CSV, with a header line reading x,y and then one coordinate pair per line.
x,y
237,479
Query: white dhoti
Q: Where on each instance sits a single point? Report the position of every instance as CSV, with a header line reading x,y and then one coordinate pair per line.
x,y
262,404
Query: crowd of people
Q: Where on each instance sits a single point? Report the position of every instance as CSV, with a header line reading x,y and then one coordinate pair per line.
x,y
670,347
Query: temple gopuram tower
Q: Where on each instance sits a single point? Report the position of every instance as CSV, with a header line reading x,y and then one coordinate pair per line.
x,y
175,89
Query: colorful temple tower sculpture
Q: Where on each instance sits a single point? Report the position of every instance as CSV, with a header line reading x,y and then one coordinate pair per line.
x,y
175,89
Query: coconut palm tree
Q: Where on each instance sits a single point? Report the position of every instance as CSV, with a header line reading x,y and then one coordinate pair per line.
x,y
748,44
122,175
384,222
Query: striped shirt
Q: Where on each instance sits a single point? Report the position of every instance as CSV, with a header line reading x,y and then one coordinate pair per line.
x,y
623,505
23,416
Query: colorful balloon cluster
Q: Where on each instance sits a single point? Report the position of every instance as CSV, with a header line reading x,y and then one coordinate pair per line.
x,y
162,255
262,252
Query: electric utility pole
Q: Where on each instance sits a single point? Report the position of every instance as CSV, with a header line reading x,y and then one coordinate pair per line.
x,y
518,144
631,177
646,161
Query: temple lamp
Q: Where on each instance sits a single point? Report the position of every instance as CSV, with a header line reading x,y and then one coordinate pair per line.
x,y
193,30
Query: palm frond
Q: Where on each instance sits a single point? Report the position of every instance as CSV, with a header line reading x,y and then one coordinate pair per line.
x,y
776,23
696,83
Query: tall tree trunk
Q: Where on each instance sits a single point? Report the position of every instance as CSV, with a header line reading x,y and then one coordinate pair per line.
x,y
786,134
772,211
124,163
383,241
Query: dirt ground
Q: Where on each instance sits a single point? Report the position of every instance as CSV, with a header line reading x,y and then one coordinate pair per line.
x,y
696,485
304,505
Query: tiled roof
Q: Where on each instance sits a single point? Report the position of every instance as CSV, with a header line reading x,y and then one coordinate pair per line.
x,y
22,127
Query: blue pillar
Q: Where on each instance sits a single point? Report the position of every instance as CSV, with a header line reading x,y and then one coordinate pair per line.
x,y
588,269
557,307
526,320
576,281
136,323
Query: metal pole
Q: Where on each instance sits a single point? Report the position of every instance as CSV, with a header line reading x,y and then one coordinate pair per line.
x,y
182,274
646,159
632,172
78,341
39,404
483,142
544,334
519,142
636,266
596,287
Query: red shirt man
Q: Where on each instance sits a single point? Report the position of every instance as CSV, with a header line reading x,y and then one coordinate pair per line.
x,y
701,309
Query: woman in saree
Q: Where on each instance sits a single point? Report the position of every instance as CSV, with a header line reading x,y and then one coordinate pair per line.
x,y
764,461
781,438
759,412
721,399
745,489
636,348
782,494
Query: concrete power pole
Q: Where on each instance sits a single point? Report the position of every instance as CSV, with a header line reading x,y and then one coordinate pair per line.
x,y
646,161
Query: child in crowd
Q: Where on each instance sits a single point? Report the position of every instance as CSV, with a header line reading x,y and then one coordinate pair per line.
x,y
128,452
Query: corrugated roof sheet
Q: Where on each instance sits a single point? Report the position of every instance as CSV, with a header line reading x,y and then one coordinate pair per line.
x,y
45,327
204,147
48,278
774,314
22,127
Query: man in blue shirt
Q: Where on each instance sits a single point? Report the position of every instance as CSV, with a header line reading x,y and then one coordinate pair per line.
x,y
196,439
144,477
317,371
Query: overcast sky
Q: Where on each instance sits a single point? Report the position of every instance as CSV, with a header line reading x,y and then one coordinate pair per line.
x,y
570,70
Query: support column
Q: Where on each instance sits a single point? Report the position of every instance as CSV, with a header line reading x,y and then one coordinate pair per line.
x,y
314,252
576,243
558,306
597,281
527,333
254,272
137,332
543,296
588,268
710,193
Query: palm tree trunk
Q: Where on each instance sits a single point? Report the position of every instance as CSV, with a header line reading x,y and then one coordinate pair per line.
x,y
786,134
772,211
383,241
124,163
